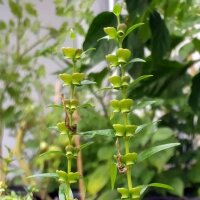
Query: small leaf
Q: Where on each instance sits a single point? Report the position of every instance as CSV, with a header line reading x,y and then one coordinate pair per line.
x,y
87,51
117,9
133,28
153,150
60,153
113,174
134,60
137,80
55,106
143,126
87,82
105,132
85,105
2,25
15,8
161,185
86,145
45,175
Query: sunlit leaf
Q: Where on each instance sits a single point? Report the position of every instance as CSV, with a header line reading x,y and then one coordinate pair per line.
x,y
133,28
48,153
153,150
45,175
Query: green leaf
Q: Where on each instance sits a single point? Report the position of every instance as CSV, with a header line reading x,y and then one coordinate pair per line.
x,y
15,8
85,105
88,51
137,80
45,175
30,9
46,154
117,9
105,132
98,179
132,28
153,150
87,82
134,60
2,25
194,98
86,145
158,185
161,185
143,126
55,106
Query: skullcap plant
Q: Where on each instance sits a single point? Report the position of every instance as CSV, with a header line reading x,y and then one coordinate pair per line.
x,y
68,127
125,132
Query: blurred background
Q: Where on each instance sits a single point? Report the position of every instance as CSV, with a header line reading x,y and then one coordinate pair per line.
x,y
31,36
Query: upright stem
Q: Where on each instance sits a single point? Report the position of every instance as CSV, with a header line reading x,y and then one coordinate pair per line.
x,y
2,177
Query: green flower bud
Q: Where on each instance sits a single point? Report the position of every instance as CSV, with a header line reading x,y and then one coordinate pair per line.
x,y
129,158
124,192
115,104
67,78
111,32
123,55
125,105
119,130
68,52
130,130
77,78
115,81
112,60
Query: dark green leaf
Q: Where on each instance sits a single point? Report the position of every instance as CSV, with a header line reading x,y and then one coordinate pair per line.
x,y
143,126
160,43
153,150
194,98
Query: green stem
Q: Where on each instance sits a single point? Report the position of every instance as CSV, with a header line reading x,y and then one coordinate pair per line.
x,y
129,180
69,165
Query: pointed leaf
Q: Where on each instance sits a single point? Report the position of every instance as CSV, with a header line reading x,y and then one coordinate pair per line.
x,y
161,185
153,150
113,174
60,153
44,175
134,60
88,51
86,145
133,28
105,132
137,80
87,82
143,126
55,106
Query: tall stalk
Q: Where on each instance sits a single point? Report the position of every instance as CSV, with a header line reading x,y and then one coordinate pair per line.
x,y
124,130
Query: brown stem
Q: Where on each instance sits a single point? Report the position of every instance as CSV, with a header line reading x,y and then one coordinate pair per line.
x,y
18,151
2,175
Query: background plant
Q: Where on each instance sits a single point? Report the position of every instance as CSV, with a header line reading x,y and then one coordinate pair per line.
x,y
22,79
